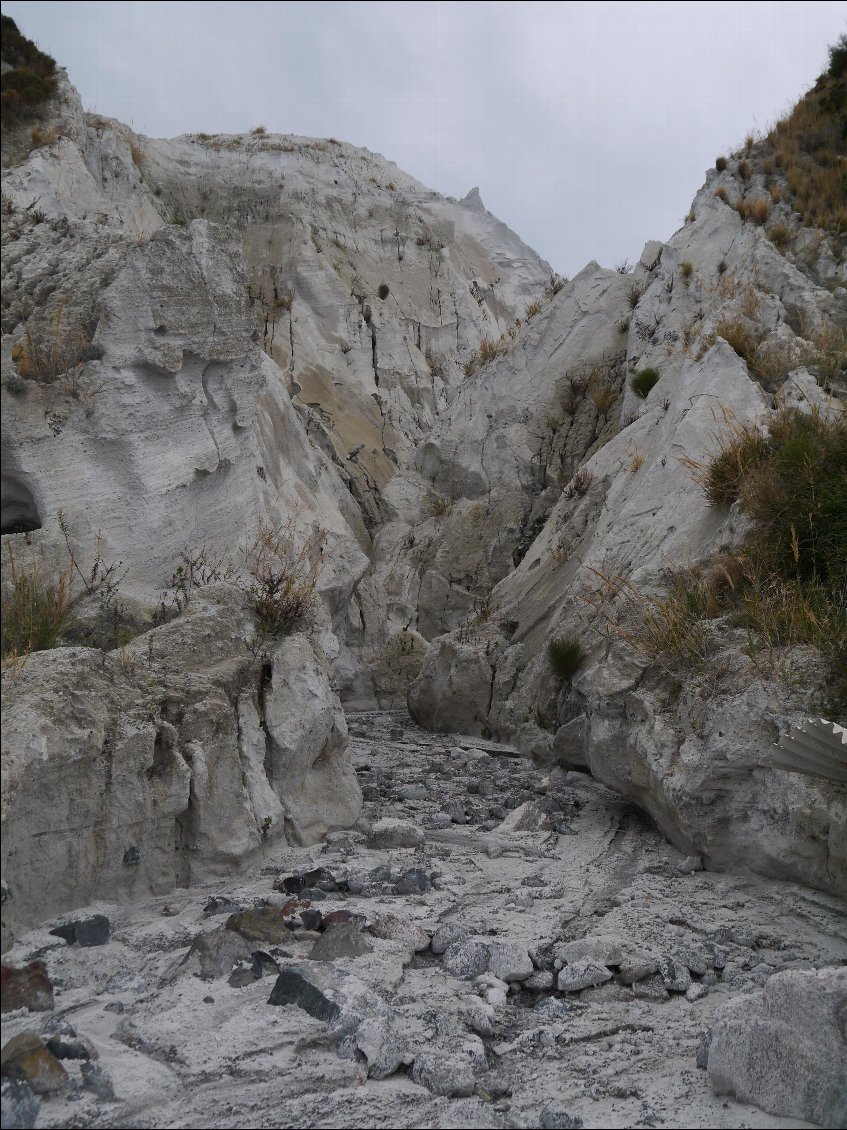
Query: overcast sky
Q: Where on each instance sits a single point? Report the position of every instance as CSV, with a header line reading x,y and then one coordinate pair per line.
x,y
587,126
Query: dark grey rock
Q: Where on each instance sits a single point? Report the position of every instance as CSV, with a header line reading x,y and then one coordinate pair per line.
x,y
95,1079
345,940
413,882
220,904
466,959
85,932
20,1106
242,976
311,918
675,975
557,1118
704,1042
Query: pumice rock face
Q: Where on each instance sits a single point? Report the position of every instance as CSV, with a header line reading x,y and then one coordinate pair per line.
x,y
397,671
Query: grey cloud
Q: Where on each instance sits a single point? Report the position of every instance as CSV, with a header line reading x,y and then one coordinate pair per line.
x,y
587,126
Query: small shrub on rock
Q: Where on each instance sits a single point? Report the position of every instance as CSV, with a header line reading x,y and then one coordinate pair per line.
x,y
643,380
383,291
566,655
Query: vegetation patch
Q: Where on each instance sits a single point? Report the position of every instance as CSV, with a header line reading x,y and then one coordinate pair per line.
x,y
566,656
30,80
643,380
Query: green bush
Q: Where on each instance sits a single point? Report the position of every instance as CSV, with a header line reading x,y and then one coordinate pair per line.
x,y
30,80
643,380
36,605
566,655
383,291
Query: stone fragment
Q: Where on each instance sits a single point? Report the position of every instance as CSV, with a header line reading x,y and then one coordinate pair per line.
x,y
345,940
85,932
392,833
510,961
98,1081
353,1013
466,959
442,1073
26,1057
26,986
446,934
582,974
19,1105
393,928
262,924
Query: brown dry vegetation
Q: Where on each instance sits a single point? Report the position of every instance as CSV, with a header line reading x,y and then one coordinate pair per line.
x,y
809,147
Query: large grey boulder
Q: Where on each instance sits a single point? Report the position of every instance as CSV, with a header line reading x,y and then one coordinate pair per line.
x,y
785,1049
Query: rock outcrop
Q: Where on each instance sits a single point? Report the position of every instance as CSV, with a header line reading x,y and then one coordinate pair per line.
x,y
176,757
213,340
785,1049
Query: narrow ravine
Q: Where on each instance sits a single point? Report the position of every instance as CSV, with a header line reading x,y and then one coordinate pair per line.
x,y
527,885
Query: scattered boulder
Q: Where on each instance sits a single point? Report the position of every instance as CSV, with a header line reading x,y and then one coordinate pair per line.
x,y
26,986
466,959
582,974
554,1117
442,1073
84,932
395,929
527,817
95,1079
354,1014
261,924
391,833
413,882
345,940
785,1048
19,1105
446,934
510,961
26,1057
211,955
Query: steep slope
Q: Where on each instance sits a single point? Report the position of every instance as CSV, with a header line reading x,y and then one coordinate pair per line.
x,y
741,312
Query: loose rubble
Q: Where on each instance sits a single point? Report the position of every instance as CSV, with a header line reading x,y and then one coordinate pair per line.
x,y
560,979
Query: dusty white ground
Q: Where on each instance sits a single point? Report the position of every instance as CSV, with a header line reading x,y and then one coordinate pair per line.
x,y
199,1053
